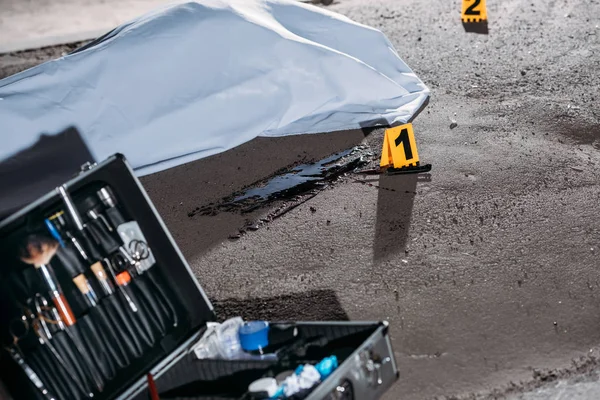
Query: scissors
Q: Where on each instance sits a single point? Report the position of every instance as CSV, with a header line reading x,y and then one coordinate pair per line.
x,y
19,329
47,315
130,259
139,250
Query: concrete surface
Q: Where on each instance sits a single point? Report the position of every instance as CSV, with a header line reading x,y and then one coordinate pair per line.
x,y
488,273
29,24
580,387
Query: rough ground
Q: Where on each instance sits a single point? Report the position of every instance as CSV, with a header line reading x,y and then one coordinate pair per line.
x,y
488,273
29,24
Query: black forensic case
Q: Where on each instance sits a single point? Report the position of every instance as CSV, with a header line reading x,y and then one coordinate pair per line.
x,y
367,366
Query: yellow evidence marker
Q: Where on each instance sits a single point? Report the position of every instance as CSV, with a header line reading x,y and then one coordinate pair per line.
x,y
474,11
399,147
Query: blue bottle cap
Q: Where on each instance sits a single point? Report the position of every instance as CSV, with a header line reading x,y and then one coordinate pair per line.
x,y
254,335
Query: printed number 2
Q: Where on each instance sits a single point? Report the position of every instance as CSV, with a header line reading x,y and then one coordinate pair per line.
x,y
405,141
471,11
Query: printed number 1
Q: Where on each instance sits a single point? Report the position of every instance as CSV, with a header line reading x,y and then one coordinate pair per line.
x,y
405,141
471,11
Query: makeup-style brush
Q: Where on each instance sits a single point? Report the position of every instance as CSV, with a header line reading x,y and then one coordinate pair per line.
x,y
82,239
39,251
72,266
107,337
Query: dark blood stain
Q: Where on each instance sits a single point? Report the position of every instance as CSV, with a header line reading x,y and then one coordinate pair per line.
x,y
302,180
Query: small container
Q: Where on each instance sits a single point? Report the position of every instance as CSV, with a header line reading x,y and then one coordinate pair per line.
x,y
254,336
229,342
263,388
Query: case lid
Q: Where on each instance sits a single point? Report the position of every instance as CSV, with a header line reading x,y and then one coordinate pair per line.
x,y
115,171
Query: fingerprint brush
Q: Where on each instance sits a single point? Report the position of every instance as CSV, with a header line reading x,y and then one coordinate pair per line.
x,y
80,240
73,267
39,251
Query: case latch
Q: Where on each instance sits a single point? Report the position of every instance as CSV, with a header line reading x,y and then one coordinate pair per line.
x,y
342,392
87,166
371,365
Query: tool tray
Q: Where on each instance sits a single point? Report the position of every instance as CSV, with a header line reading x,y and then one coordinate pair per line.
x,y
146,317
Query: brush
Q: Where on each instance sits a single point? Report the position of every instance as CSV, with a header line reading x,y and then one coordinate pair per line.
x,y
39,251
82,240
56,343
132,237
57,224
70,264
109,339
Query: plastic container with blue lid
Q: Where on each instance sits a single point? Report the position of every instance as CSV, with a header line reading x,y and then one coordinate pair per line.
x,y
254,336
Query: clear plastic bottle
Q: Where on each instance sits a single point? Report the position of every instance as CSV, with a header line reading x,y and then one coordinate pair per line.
x,y
222,341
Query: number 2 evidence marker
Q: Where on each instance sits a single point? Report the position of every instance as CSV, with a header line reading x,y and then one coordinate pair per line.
x,y
474,11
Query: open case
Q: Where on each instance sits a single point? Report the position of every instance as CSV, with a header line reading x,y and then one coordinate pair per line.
x,y
95,297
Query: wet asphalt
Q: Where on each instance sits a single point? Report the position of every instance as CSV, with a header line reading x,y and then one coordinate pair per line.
x,y
488,268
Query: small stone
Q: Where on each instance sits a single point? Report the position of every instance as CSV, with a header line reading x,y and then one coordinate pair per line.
x,y
453,124
523,72
405,262
313,210
555,323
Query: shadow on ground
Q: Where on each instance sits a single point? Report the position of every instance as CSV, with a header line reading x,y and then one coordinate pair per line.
x,y
476,27
394,210
314,305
